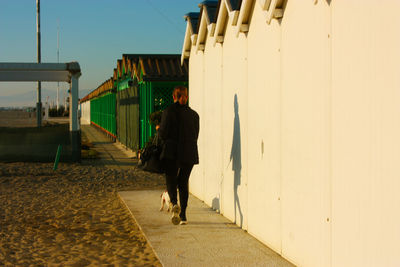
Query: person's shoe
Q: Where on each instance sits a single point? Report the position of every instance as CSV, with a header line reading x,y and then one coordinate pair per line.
x,y
183,219
175,214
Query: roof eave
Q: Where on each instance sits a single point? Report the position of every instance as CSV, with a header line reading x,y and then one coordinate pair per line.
x,y
202,32
245,10
222,15
186,45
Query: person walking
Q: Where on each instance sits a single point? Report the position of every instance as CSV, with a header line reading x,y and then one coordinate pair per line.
x,y
179,130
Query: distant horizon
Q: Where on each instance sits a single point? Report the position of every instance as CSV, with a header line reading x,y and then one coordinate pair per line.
x,y
28,98
94,35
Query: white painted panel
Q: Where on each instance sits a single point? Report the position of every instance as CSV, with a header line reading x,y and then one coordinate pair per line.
x,y
234,127
319,127
264,130
306,133
85,112
366,133
212,124
196,101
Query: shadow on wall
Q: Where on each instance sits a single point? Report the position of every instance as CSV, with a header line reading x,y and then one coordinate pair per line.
x,y
236,158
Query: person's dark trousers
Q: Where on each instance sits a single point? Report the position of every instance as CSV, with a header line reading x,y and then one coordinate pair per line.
x,y
183,186
171,172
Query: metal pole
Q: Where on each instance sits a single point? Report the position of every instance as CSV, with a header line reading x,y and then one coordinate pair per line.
x,y
39,96
58,61
74,120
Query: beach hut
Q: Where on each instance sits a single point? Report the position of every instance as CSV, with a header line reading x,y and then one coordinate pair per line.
x,y
85,109
102,108
299,108
144,84
127,106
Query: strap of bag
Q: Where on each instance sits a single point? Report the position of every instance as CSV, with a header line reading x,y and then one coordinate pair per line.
x,y
155,140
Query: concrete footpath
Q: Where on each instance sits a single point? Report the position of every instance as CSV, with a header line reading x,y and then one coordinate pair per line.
x,y
209,239
110,154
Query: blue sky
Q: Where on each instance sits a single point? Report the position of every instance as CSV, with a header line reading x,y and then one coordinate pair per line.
x,y
93,32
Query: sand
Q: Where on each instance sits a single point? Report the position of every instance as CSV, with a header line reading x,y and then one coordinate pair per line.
x,y
71,216
17,118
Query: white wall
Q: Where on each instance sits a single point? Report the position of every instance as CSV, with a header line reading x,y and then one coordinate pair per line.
x,y
305,124
196,101
365,133
85,112
318,96
264,80
211,128
234,128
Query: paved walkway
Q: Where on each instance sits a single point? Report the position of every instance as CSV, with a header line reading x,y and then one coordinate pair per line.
x,y
208,240
110,154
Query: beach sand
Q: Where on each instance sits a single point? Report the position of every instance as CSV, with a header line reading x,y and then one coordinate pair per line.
x,y
17,118
71,216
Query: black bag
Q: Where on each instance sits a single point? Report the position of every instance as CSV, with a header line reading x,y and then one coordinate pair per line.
x,y
151,157
147,152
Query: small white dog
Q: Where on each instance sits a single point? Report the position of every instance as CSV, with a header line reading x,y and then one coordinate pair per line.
x,y
165,200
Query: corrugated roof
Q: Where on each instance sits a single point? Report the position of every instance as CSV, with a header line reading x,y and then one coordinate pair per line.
x,y
211,8
208,2
155,67
119,67
115,74
219,13
86,98
101,89
235,4
193,18
158,67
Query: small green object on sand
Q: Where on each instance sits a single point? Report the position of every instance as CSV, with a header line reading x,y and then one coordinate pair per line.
x,y
57,157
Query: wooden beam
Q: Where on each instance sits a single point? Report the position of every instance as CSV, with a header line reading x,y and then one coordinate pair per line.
x,y
202,33
228,5
219,39
264,4
211,29
244,27
278,13
271,10
186,44
233,17
193,38
222,16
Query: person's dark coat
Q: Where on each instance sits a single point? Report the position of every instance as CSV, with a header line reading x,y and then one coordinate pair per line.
x,y
169,131
188,134
179,130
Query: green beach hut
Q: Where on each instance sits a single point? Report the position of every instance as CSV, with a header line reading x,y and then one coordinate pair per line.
x,y
144,84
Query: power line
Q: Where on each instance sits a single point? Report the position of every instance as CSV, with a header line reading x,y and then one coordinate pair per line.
x,y
165,16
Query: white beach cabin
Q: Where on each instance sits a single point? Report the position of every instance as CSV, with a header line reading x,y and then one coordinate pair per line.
x,y
85,111
299,144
